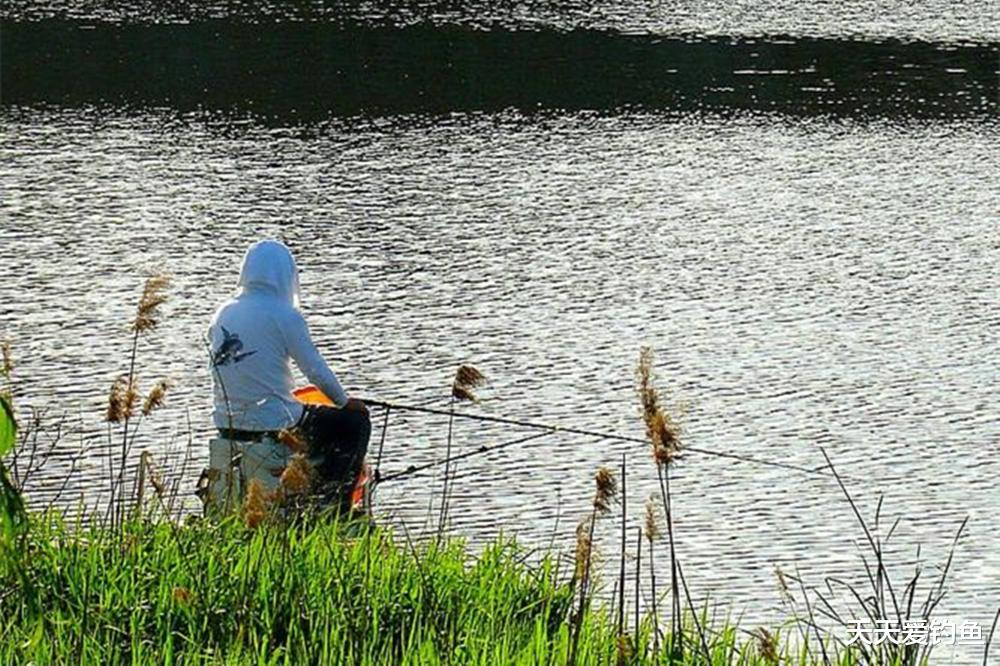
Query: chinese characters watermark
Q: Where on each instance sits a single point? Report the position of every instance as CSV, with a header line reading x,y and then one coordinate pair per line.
x,y
915,632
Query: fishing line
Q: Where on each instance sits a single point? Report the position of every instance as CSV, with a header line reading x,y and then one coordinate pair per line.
x,y
414,469
550,429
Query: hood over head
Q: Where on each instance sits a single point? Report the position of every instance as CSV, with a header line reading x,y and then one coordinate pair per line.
x,y
269,266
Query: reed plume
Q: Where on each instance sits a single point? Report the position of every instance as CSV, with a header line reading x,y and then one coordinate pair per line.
x,y
467,380
156,397
148,471
607,489
662,431
294,440
783,589
296,479
648,395
652,520
182,595
624,649
665,438
767,645
155,478
147,315
121,400
7,366
581,578
255,504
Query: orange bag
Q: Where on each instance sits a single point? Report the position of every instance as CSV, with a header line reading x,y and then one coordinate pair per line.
x,y
310,395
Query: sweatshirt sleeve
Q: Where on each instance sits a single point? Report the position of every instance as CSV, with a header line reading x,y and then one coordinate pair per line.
x,y
310,362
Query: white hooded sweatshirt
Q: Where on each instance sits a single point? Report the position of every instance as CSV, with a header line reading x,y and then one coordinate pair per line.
x,y
255,336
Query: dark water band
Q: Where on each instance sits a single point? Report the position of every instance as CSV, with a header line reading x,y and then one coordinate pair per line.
x,y
306,70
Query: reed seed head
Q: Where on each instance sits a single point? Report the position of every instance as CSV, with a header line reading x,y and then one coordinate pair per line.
x,y
647,392
296,479
467,375
664,434
154,475
153,296
607,488
129,543
625,649
783,589
255,504
182,595
121,400
461,393
768,645
293,439
155,398
8,359
662,431
467,380
652,528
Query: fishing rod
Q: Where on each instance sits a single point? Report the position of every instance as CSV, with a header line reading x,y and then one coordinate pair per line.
x,y
552,429
413,469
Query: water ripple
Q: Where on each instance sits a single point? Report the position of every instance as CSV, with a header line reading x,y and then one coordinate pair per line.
x,y
817,283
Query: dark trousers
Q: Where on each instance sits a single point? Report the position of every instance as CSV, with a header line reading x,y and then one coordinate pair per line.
x,y
338,443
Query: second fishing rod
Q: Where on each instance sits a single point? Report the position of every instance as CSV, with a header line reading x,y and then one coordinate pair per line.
x,y
550,430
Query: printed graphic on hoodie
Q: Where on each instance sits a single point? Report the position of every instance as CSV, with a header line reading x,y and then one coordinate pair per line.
x,y
231,350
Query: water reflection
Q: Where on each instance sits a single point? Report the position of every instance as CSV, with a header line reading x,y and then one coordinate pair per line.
x,y
298,72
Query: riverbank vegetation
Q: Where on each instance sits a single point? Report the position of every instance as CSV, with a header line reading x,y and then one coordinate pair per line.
x,y
139,583
314,592
257,588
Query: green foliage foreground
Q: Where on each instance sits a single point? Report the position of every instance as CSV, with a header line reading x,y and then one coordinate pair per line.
x,y
156,592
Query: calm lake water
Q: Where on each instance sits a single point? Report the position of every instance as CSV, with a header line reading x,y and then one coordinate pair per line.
x,y
815,266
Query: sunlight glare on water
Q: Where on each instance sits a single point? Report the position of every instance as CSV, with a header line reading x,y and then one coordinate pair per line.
x,y
931,20
806,283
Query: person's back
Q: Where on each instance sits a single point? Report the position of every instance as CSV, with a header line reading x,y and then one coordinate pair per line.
x,y
250,358
254,339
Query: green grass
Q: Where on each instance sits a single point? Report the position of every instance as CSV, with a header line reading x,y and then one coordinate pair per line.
x,y
204,593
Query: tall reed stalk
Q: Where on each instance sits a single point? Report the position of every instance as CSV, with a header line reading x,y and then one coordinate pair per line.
x,y
652,532
638,578
664,438
606,488
467,380
621,566
989,639
124,396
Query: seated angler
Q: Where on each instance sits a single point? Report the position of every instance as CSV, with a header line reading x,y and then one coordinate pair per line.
x,y
254,339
